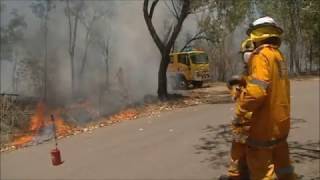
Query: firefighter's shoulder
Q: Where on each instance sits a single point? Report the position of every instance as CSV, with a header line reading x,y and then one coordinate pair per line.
x,y
263,48
265,51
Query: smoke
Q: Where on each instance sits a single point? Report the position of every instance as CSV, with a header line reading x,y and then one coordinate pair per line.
x,y
133,50
133,58
255,11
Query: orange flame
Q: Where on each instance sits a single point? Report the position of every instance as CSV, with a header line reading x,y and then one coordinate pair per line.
x,y
37,120
22,140
62,128
40,120
125,115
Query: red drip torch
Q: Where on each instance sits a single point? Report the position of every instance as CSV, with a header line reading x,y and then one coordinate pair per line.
x,y
55,153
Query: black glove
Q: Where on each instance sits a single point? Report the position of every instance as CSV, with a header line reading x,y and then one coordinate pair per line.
x,y
236,80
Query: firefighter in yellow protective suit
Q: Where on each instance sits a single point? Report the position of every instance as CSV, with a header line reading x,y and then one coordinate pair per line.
x,y
267,96
240,126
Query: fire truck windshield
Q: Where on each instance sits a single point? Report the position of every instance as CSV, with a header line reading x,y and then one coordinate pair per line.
x,y
199,58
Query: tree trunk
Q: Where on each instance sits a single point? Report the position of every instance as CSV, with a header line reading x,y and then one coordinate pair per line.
x,y
83,66
85,55
105,50
14,79
107,73
0,73
84,61
162,77
296,58
294,32
310,58
294,61
221,75
164,47
305,58
72,43
45,55
71,54
75,30
291,64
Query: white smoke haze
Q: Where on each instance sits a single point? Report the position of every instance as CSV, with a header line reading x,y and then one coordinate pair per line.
x,y
131,49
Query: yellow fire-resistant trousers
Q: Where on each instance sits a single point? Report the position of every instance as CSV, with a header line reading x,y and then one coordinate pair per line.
x,y
238,169
263,163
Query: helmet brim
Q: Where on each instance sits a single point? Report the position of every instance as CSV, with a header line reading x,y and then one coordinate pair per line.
x,y
252,28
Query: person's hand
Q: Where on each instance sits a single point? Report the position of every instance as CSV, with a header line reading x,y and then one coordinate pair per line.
x,y
235,92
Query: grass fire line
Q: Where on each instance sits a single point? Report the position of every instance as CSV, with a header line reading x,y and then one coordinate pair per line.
x,y
42,129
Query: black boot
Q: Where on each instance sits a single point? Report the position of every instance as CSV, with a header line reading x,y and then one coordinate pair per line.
x,y
224,177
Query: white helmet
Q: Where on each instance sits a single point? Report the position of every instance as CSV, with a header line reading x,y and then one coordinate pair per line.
x,y
264,22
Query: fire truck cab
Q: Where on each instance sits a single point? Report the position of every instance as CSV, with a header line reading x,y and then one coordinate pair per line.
x,y
188,67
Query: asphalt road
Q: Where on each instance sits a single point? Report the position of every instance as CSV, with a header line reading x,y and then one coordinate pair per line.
x,y
188,143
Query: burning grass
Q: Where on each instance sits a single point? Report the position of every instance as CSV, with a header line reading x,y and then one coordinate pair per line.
x,y
41,129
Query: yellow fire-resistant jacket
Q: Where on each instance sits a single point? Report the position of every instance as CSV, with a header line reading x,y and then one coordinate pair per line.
x,y
267,95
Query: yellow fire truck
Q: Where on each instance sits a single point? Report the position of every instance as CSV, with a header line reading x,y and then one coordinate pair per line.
x,y
188,67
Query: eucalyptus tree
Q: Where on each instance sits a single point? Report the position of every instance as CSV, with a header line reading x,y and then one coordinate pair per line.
x,y
181,9
310,25
89,20
218,24
11,34
42,9
73,11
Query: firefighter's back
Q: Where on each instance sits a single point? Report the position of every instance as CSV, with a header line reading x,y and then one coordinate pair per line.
x,y
273,120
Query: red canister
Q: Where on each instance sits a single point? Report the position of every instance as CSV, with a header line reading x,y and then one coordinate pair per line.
x,y
56,157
